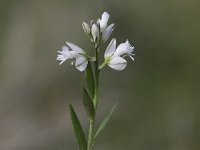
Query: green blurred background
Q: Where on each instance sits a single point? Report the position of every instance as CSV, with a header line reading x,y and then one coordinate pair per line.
x,y
158,94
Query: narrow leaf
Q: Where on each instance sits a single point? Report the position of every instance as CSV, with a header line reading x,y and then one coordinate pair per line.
x,y
78,130
88,104
105,121
90,80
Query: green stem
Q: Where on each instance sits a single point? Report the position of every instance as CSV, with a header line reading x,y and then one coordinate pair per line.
x,y
92,122
96,94
90,135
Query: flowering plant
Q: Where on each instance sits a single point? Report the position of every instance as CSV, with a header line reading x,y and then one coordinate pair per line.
x,y
98,33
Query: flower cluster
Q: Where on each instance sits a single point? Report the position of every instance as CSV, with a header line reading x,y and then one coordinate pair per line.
x,y
98,32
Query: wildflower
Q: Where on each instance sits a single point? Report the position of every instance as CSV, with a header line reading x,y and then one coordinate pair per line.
x,y
99,32
114,57
72,51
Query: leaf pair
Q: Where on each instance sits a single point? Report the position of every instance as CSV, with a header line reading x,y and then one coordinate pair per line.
x,y
89,108
78,130
88,96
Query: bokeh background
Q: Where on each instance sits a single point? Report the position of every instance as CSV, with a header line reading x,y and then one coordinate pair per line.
x,y
158,94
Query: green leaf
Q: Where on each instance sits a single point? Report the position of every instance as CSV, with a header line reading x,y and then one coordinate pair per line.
x,y
90,80
78,130
88,104
105,121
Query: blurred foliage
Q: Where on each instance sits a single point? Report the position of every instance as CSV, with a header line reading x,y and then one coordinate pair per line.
x,y
158,94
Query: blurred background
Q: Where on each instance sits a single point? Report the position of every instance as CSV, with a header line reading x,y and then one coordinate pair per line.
x,y
158,93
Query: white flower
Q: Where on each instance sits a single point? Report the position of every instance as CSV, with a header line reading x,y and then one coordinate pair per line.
x,y
104,29
72,51
99,31
114,57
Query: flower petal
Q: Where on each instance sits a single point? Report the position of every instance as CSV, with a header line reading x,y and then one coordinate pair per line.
x,y
121,49
75,48
117,63
131,48
63,55
95,31
111,48
86,27
107,32
81,63
104,21
124,48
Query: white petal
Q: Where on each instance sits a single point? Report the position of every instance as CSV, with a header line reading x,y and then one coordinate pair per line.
x,y
131,48
106,33
117,63
63,55
104,20
67,53
65,48
75,48
81,63
95,31
72,54
110,49
121,49
86,27
61,59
